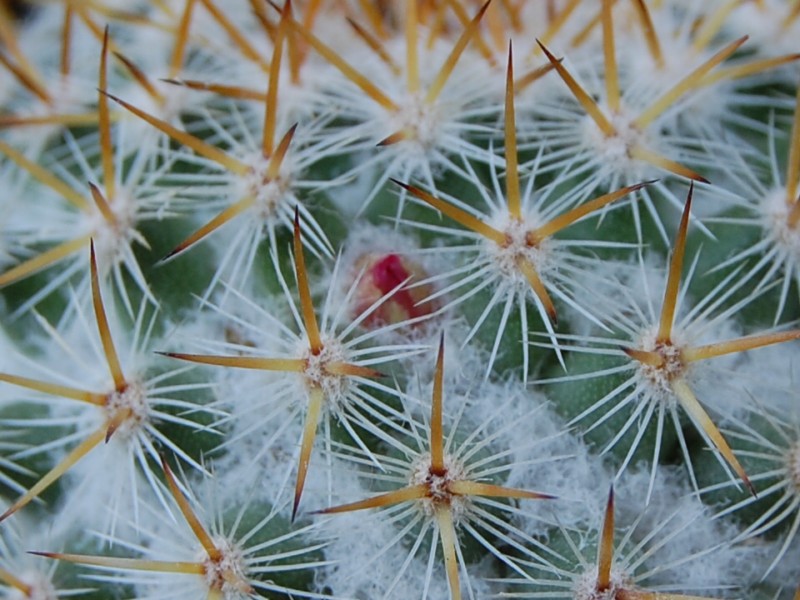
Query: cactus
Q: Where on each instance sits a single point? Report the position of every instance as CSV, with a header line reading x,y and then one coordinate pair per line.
x,y
397,299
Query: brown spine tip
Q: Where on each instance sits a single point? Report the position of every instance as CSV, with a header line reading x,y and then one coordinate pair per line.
x,y
750,487
605,552
43,554
395,138
405,186
171,254
548,54
553,316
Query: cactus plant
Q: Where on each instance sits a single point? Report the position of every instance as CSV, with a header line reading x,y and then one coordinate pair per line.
x,y
379,299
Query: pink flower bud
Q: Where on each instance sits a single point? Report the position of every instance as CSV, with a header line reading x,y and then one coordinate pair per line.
x,y
384,273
